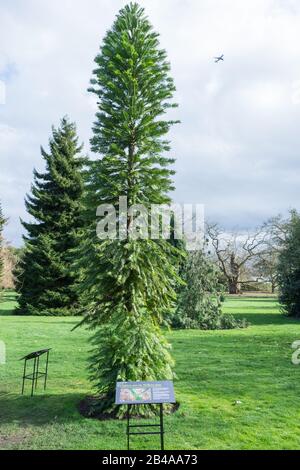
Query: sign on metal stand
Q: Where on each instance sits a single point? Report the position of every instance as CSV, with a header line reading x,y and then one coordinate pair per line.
x,y
36,374
145,393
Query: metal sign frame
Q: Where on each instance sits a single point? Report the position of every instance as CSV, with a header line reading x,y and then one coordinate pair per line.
x,y
143,394
161,431
35,356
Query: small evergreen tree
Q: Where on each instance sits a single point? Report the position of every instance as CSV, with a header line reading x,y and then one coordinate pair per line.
x,y
200,303
289,268
45,281
129,284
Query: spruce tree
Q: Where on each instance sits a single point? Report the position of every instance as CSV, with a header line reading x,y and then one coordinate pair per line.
x,y
46,282
129,283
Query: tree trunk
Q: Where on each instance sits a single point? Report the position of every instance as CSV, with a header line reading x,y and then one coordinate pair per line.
x,y
233,286
234,275
273,288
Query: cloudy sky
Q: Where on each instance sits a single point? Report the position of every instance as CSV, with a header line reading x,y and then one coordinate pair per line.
x,y
237,148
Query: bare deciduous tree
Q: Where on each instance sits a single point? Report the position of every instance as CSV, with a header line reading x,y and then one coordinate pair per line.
x,y
265,267
9,262
234,252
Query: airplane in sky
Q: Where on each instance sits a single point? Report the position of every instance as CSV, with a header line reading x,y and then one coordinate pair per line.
x,y
217,59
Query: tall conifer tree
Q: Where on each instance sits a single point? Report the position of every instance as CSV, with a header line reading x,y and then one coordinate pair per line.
x,y
129,284
46,283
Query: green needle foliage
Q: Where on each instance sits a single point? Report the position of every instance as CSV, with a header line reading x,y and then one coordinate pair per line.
x,y
2,223
45,281
199,303
289,268
129,283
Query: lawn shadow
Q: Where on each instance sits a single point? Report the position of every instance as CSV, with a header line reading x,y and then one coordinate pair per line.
x,y
267,318
8,303
9,298
4,312
253,298
262,308
262,311
39,409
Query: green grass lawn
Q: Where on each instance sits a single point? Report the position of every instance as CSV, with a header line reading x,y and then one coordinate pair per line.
x,y
214,369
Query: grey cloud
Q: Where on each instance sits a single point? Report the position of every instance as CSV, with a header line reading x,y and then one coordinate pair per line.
x,y
237,148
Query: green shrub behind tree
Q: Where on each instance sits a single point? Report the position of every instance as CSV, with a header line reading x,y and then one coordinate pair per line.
x,y
200,300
